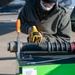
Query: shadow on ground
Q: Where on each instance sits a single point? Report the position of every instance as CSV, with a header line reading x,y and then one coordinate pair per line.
x,y
8,58
7,27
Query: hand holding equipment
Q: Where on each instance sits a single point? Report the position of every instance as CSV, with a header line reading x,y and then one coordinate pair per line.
x,y
34,36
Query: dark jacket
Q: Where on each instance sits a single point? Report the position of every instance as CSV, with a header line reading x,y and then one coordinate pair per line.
x,y
55,25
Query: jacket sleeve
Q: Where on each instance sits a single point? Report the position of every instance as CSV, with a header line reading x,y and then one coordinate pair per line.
x,y
24,20
64,31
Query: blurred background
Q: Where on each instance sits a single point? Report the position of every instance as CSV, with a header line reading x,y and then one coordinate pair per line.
x,y
11,5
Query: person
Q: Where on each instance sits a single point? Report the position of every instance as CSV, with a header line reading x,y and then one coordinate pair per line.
x,y
52,20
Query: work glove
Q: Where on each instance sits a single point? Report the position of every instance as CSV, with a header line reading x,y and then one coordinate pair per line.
x,y
34,35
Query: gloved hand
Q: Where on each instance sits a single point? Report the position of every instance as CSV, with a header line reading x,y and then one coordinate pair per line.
x,y
34,35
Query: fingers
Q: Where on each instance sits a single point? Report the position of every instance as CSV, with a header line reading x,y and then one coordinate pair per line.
x,y
29,30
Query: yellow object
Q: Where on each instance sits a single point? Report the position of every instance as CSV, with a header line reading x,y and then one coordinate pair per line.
x,y
18,24
35,37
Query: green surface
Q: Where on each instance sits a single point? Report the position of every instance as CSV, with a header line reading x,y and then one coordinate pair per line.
x,y
54,69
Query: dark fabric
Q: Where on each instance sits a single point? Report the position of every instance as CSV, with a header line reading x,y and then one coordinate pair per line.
x,y
55,25
50,1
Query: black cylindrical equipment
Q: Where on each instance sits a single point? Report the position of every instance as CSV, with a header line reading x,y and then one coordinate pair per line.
x,y
49,47
43,47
